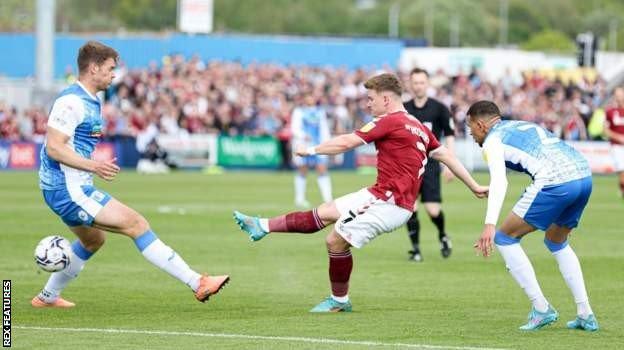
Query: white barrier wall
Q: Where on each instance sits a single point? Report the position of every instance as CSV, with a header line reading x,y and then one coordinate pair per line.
x,y
598,154
493,63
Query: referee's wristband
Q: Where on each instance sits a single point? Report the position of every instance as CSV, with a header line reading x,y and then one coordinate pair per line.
x,y
311,150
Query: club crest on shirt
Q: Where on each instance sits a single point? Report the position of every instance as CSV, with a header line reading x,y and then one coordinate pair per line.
x,y
96,131
368,127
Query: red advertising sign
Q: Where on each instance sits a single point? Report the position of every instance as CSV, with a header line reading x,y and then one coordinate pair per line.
x,y
23,156
103,151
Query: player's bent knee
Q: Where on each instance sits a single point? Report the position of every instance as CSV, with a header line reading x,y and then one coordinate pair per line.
x,y
328,212
137,226
336,243
501,238
93,243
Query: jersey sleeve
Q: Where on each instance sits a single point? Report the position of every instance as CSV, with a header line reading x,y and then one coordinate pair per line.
x,y
448,126
374,130
66,114
493,152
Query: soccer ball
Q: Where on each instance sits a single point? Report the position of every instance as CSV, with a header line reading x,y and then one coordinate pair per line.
x,y
52,253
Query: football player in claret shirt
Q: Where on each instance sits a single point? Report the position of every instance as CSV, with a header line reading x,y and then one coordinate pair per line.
x,y
553,203
403,146
615,133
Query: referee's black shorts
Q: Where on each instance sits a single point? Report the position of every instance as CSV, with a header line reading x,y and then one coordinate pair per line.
x,y
430,191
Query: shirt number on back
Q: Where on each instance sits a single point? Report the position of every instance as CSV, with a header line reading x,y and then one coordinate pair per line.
x,y
544,138
421,147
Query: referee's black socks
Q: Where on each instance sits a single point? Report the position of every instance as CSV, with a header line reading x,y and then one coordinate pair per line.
x,y
413,228
438,221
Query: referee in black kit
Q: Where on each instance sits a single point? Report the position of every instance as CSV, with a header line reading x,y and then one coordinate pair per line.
x,y
436,116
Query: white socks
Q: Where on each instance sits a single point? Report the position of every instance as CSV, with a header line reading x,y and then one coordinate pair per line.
x,y
522,271
300,189
342,299
324,184
59,280
571,271
161,255
264,224
167,259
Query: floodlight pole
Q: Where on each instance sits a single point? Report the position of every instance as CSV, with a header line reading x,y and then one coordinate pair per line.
x,y
44,62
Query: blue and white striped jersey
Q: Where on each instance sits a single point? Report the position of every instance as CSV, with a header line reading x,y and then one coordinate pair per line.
x,y
77,114
309,125
529,148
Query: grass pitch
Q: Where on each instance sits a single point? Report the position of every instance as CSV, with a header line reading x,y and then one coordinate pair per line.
x,y
465,302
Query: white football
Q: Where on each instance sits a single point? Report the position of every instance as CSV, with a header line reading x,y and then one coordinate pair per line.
x,y
52,254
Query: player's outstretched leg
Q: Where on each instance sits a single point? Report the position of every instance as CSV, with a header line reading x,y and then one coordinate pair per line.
x,y
117,217
90,240
250,225
570,269
161,255
340,267
520,268
295,222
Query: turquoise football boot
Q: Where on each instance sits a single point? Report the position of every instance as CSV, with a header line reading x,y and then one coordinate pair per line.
x,y
538,319
589,324
251,225
331,305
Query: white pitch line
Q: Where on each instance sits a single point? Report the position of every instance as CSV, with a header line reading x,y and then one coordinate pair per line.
x,y
253,337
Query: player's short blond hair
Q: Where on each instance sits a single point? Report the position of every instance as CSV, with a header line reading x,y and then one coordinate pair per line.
x,y
385,82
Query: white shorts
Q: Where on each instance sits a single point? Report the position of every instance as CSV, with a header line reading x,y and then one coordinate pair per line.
x,y
363,217
617,152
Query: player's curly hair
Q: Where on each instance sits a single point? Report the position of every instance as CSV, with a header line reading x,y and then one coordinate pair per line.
x,y
96,52
483,109
385,82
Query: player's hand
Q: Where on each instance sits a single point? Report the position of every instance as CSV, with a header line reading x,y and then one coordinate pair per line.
x,y
303,151
484,245
300,151
481,191
447,174
107,169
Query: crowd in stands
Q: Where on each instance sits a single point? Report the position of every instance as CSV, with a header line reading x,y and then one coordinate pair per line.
x,y
181,97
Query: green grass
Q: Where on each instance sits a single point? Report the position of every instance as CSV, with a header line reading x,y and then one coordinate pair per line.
x,y
463,301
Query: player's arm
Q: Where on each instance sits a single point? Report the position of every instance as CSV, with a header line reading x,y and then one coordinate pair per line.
x,y
443,155
67,113
338,144
57,149
495,157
